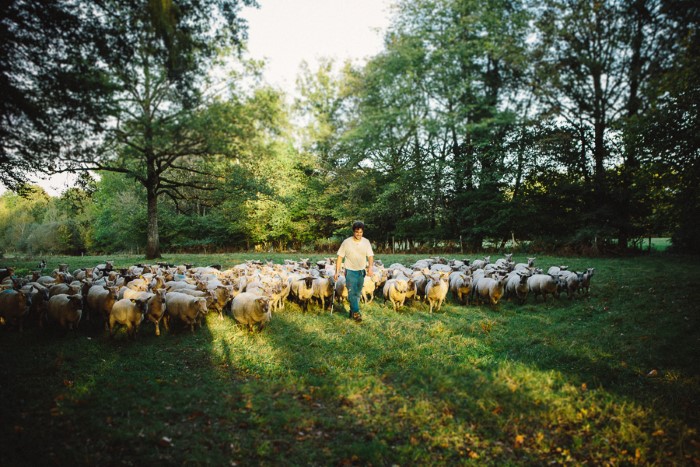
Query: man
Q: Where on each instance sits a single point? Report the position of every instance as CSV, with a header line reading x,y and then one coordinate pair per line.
x,y
357,252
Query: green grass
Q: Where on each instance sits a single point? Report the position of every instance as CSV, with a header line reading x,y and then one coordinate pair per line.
x,y
562,382
659,244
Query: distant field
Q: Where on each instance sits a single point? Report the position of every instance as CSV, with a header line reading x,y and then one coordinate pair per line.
x,y
610,378
660,244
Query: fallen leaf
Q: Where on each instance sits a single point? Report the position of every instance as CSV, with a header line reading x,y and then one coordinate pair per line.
x,y
519,440
165,442
652,373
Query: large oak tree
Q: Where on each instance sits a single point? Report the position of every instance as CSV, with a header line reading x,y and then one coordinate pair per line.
x,y
161,134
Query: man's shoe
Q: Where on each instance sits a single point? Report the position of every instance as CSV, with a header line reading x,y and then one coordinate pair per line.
x,y
357,317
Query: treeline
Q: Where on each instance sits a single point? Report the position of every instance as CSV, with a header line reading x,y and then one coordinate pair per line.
x,y
565,124
572,123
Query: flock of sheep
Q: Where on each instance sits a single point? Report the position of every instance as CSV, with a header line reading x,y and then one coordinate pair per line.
x,y
251,291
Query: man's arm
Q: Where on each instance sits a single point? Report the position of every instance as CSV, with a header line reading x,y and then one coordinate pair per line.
x,y
370,260
338,263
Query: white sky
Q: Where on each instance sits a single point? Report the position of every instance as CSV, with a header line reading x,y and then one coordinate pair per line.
x,y
287,32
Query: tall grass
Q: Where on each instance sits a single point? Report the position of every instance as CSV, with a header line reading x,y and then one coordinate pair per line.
x,y
611,378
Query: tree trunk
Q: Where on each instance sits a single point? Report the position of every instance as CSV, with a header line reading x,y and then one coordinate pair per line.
x,y
631,165
153,242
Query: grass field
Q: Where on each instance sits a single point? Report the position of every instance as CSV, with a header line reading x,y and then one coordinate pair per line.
x,y
612,378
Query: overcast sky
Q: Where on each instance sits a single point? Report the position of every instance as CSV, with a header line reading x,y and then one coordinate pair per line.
x,y
286,32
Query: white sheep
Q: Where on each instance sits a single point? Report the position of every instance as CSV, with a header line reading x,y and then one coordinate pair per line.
x,y
100,299
420,280
250,309
156,309
63,288
528,266
586,280
128,312
460,286
14,306
185,308
516,286
556,270
66,310
140,284
436,290
341,289
38,297
368,288
505,262
543,284
395,291
569,282
322,290
489,288
302,290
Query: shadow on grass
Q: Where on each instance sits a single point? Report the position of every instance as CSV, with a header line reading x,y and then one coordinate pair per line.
x,y
467,384
89,399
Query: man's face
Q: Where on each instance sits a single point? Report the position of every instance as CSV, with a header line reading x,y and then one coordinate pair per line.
x,y
357,233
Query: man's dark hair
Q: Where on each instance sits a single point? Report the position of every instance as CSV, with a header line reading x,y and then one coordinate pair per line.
x,y
358,225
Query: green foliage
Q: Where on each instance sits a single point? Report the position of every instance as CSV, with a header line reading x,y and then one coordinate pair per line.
x,y
19,216
55,94
566,125
119,222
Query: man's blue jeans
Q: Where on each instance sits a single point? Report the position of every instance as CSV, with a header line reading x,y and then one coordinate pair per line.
x,y
354,280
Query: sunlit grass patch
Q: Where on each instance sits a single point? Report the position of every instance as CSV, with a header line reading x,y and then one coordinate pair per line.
x,y
607,378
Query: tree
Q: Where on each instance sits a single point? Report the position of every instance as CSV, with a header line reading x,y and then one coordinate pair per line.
x,y
20,214
669,127
595,65
53,95
325,106
435,110
157,54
